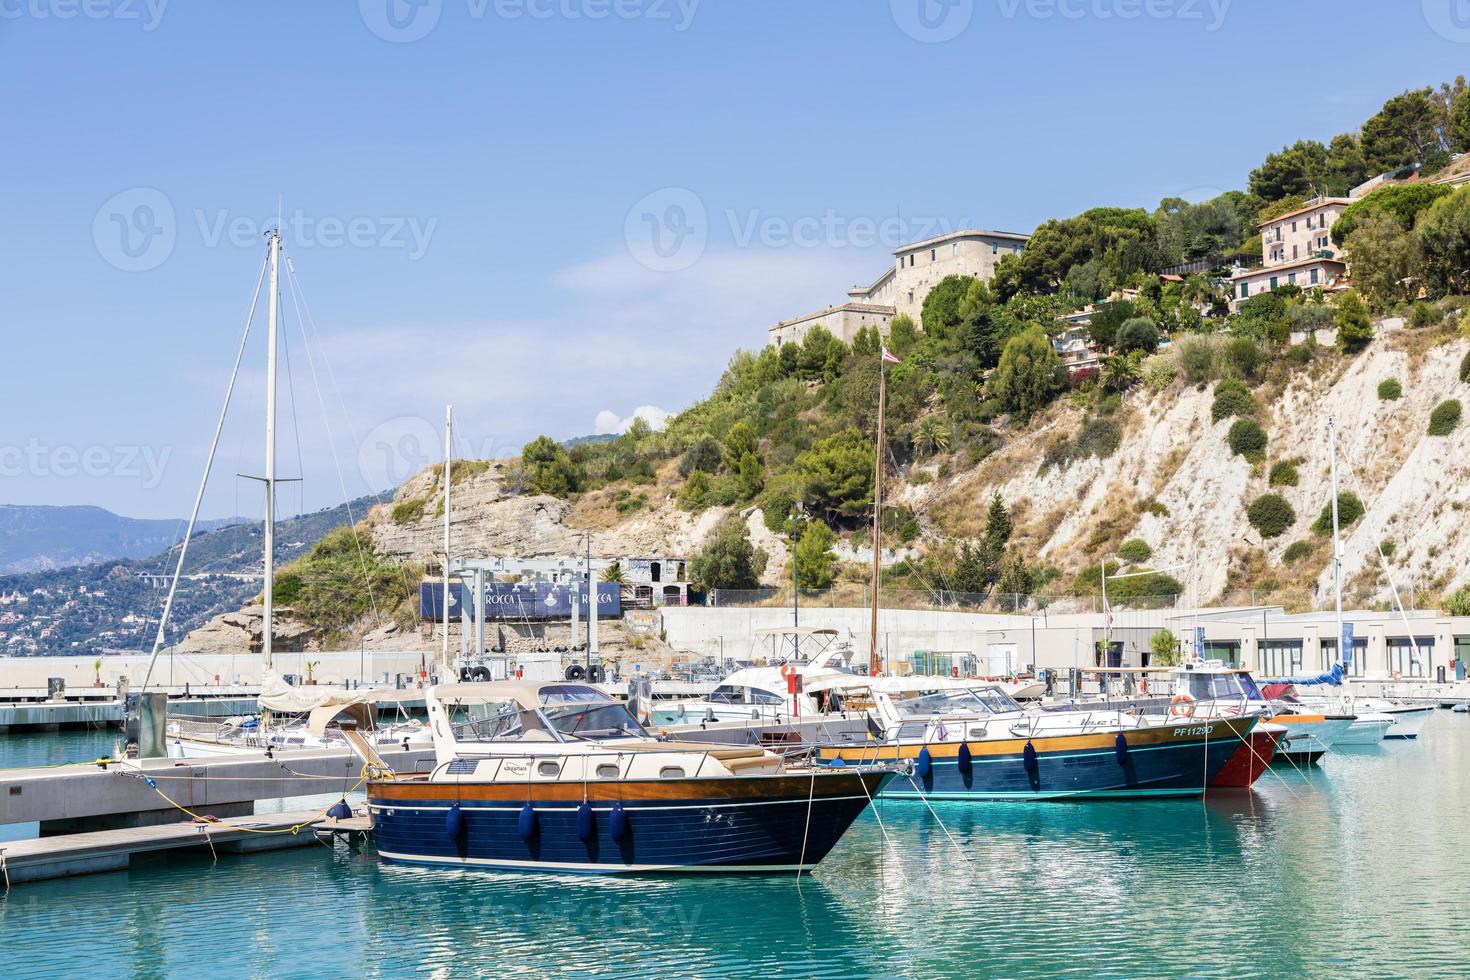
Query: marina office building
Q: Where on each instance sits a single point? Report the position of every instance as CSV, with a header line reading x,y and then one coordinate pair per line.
x,y
1264,639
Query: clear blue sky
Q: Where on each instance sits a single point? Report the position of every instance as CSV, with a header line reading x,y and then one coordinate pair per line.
x,y
494,161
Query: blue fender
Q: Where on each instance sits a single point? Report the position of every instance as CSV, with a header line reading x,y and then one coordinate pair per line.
x,y
617,822
926,763
454,826
1120,748
340,810
586,823
529,823
1028,756
963,760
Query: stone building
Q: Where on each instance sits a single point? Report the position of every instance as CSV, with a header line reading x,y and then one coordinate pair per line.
x,y
1297,250
916,269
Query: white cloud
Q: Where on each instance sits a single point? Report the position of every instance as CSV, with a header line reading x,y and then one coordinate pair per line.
x,y
609,422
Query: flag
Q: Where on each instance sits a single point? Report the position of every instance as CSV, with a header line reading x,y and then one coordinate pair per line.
x,y
889,358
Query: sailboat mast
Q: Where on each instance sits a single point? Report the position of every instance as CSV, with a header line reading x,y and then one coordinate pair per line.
x,y
268,594
448,482
878,505
1342,654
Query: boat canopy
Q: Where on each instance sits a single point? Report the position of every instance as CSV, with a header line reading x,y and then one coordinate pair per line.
x,y
278,696
797,631
527,694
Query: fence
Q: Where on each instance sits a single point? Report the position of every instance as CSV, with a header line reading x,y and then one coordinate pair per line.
x,y
940,600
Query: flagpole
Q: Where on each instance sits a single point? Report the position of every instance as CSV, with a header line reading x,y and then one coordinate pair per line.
x,y
878,500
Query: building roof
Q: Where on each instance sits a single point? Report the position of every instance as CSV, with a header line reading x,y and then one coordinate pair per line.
x,y
1316,204
888,273
963,233
1271,270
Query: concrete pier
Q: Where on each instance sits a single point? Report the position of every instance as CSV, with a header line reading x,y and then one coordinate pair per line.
x,y
73,799
113,850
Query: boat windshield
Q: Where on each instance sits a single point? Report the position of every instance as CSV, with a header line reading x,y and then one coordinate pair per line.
x,y
594,720
1212,687
493,721
985,701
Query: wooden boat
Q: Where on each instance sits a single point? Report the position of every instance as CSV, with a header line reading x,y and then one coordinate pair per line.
x,y
559,777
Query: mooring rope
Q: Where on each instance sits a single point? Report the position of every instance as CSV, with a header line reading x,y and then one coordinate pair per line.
x,y
293,830
810,792
935,815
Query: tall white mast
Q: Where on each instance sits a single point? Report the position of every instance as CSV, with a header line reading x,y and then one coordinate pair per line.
x,y
448,481
269,629
1342,655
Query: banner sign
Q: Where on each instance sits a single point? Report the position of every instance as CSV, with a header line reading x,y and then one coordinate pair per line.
x,y
1345,644
1199,643
519,600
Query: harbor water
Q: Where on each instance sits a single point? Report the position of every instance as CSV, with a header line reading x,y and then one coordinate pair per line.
x,y
1355,869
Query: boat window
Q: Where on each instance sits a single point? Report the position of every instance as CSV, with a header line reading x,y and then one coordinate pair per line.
x,y
1209,687
984,701
492,721
594,721
727,694
548,769
573,694
671,772
758,696
608,771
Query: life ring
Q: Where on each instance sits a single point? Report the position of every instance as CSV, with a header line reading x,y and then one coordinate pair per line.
x,y
1398,676
1181,706
787,670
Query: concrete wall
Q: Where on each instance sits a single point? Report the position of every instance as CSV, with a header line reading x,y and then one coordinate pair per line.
x,y
843,322
919,268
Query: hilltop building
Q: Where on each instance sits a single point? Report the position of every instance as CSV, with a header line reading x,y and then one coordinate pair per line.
x,y
1296,250
917,268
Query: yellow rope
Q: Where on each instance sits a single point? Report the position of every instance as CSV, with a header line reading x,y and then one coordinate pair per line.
x,y
293,830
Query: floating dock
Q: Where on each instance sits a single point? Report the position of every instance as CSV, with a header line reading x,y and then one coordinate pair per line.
x,y
113,850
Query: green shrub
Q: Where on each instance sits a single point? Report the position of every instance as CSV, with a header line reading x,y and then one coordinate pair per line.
x,y
1151,505
1232,397
919,478
1098,437
1425,315
1242,357
1135,550
1295,552
408,511
1465,369
1300,355
1349,509
1354,328
1389,390
704,456
1445,417
1284,474
1246,438
1457,603
1196,360
1271,515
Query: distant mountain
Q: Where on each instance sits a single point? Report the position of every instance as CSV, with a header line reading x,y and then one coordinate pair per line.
x,y
114,604
43,538
581,440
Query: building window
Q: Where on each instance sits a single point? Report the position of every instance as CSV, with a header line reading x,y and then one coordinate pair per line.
x,y
1401,656
1245,290
994,249
1314,277
1281,658
1273,282
954,248
1291,279
911,295
1293,226
911,261
1360,653
934,255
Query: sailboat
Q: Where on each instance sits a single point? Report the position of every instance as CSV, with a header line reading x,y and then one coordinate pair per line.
x,y
188,739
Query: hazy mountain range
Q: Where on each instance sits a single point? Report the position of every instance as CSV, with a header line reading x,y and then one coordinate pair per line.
x,y
41,538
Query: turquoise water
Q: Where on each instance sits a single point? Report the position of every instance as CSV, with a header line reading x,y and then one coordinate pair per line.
x,y
1357,869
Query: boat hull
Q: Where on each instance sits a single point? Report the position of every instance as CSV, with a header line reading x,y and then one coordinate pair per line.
x,y
1408,722
1308,737
1166,760
1250,760
760,824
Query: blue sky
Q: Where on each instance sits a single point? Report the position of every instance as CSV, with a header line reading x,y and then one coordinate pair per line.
x,y
468,187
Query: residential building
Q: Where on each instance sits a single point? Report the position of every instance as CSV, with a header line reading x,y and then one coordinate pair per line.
x,y
1074,346
1297,250
917,268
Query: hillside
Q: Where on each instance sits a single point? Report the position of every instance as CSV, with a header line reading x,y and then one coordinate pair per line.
x,y
92,608
41,538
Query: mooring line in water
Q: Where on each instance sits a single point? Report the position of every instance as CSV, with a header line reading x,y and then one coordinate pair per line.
x,y
294,830
879,817
5,868
935,815
811,790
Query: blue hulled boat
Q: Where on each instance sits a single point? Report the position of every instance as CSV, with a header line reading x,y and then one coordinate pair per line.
x,y
559,777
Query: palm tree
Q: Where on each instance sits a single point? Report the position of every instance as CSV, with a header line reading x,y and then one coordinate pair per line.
x,y
1122,371
932,435
613,573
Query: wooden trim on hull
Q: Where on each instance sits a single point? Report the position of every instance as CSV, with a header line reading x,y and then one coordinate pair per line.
x,y
823,784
